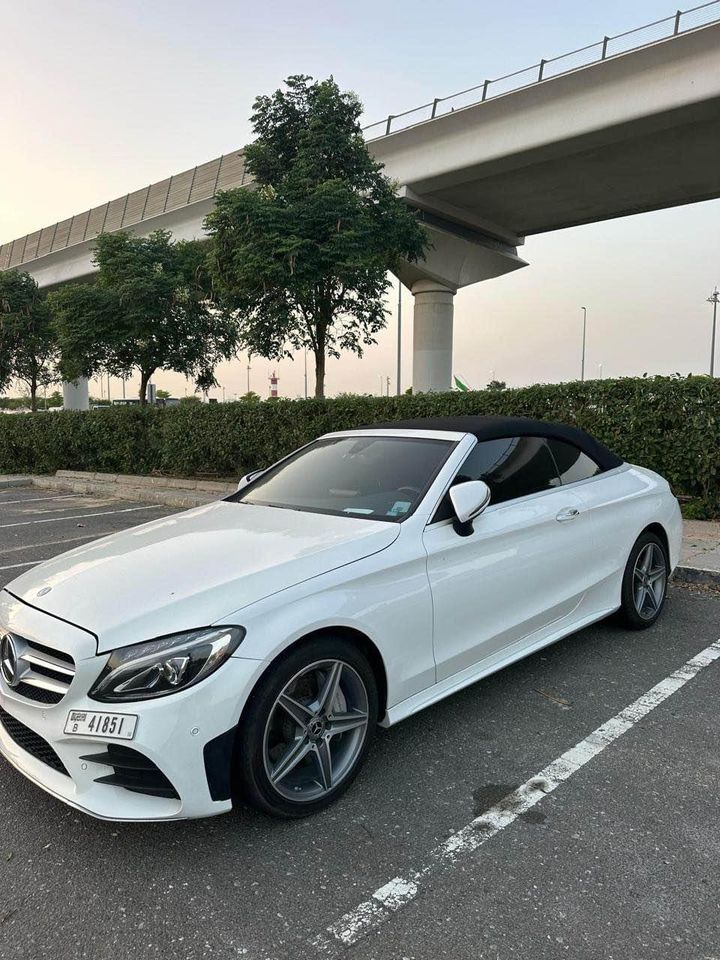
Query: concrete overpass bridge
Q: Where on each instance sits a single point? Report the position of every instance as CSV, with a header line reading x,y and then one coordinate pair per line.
x,y
622,126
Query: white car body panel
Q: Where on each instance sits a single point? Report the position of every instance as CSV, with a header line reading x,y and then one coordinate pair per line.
x,y
441,610
191,569
519,571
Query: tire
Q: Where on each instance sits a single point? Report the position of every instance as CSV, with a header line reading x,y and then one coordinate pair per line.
x,y
644,585
307,728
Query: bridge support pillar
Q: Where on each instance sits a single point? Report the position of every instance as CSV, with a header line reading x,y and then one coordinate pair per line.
x,y
76,395
432,336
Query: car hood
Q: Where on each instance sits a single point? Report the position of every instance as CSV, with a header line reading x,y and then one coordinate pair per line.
x,y
193,569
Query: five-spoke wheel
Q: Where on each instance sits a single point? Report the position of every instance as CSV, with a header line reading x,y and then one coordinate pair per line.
x,y
307,728
645,582
315,730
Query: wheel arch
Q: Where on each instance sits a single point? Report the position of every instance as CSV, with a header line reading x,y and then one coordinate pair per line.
x,y
659,530
369,648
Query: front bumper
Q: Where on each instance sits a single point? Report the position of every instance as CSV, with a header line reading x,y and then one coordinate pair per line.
x,y
172,732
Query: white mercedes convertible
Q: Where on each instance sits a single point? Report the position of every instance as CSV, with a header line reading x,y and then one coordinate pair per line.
x,y
248,648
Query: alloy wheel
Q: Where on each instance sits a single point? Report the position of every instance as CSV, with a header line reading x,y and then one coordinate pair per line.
x,y
315,730
649,580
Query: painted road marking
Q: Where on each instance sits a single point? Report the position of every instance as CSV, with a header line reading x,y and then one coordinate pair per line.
x,y
54,543
71,496
395,894
79,516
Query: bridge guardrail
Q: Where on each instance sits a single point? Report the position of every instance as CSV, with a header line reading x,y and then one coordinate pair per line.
x,y
682,21
202,182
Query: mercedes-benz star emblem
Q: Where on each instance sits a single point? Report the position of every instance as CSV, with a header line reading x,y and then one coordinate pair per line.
x,y
9,660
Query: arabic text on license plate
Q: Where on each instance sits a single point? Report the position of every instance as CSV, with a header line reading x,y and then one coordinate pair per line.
x,y
114,726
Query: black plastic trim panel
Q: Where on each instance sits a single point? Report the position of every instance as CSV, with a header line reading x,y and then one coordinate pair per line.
x,y
218,756
132,771
31,742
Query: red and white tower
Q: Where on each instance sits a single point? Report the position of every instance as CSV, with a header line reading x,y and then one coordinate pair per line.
x,y
274,384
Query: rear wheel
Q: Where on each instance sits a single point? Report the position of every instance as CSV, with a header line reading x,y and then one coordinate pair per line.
x,y
645,582
307,728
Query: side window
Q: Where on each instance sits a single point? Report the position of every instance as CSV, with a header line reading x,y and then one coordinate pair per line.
x,y
512,467
572,463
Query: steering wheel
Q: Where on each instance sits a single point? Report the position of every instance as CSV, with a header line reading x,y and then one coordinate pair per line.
x,y
408,489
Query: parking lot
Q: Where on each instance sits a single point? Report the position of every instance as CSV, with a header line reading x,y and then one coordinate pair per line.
x,y
618,861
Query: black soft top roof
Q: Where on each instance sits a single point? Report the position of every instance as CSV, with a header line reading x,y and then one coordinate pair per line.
x,y
496,428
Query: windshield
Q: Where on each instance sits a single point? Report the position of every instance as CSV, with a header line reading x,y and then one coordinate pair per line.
x,y
380,478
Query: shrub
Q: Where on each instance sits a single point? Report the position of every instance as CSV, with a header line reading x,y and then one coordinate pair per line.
x,y
669,424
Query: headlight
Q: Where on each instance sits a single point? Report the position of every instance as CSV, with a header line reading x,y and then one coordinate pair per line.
x,y
160,667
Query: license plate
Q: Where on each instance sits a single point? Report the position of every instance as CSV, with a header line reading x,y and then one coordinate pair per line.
x,y
113,726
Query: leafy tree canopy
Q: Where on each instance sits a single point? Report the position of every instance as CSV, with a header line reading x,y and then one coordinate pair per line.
x,y
28,346
303,256
147,310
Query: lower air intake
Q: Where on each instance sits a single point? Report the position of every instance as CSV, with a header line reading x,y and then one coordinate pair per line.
x,y
132,771
31,742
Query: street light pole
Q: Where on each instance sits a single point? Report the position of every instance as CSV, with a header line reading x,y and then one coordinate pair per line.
x,y
714,301
399,335
582,367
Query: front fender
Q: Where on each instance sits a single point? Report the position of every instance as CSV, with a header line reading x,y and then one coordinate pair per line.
x,y
386,597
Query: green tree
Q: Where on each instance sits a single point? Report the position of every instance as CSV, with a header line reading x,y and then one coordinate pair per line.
x,y
15,403
147,310
28,345
303,256
496,386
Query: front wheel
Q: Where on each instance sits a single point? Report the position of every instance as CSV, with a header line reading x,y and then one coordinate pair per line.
x,y
307,728
645,580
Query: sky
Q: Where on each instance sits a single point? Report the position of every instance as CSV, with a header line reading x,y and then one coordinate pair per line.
x,y
99,98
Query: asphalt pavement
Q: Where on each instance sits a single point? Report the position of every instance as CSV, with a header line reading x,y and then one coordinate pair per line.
x,y
619,861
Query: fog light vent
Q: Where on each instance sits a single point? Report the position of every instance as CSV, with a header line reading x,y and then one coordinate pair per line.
x,y
132,771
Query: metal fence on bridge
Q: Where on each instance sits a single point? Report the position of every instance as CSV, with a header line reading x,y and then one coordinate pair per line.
x,y
683,21
203,182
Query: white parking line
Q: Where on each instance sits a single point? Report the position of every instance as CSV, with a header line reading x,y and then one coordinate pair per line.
x,y
71,496
78,516
30,563
23,548
395,894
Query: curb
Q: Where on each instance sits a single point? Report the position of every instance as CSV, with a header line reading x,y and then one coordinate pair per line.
x,y
697,575
137,493
165,491
217,487
15,481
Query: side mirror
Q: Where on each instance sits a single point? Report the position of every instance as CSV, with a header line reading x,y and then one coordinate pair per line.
x,y
248,478
469,499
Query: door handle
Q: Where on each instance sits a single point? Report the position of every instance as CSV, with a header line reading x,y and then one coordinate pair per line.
x,y
569,513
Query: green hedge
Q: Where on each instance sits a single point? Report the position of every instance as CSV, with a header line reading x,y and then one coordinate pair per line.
x,y
667,423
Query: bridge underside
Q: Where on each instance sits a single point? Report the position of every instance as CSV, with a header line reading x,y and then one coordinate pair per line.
x,y
632,133
661,161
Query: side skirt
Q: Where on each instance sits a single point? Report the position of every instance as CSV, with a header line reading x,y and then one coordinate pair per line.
x,y
484,668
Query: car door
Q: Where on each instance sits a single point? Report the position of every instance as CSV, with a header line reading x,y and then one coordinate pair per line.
x,y
525,566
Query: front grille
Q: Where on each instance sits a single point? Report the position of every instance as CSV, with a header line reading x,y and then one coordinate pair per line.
x,y
132,771
31,742
44,674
